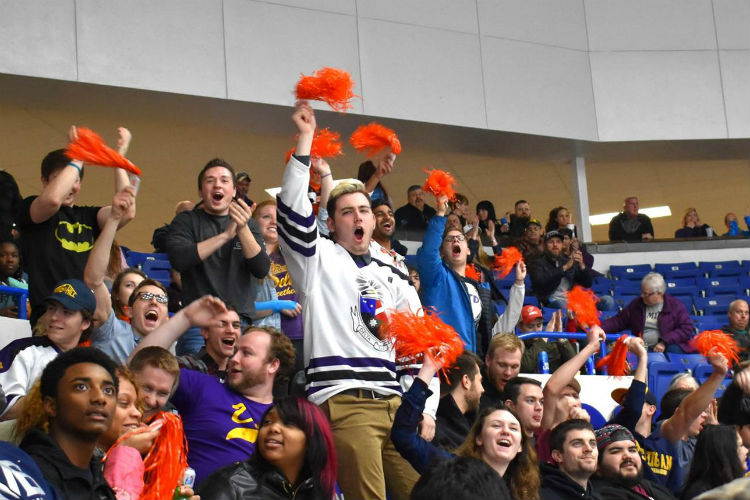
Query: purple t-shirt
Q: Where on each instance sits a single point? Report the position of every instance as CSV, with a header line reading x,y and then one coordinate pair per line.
x,y
292,327
220,424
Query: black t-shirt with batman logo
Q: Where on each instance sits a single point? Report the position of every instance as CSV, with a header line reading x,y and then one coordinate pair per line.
x,y
56,249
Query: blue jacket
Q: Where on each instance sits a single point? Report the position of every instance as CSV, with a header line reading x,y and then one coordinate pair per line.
x,y
444,289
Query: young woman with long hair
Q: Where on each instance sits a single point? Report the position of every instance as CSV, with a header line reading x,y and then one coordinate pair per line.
x,y
719,458
294,458
496,438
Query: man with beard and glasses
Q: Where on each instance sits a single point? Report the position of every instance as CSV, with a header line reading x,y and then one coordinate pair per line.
x,y
221,420
457,409
620,472
384,246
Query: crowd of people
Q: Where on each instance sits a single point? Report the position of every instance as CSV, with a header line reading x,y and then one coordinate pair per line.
x,y
268,345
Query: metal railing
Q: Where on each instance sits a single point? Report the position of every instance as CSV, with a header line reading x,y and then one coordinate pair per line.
x,y
590,365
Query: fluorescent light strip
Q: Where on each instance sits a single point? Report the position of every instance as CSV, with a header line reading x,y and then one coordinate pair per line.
x,y
653,212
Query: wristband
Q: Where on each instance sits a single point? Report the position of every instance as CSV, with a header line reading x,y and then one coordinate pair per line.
x,y
76,167
326,175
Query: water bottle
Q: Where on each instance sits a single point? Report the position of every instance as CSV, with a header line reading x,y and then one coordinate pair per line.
x,y
188,479
543,362
734,229
590,366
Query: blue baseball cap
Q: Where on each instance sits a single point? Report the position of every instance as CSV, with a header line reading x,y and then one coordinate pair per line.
x,y
74,295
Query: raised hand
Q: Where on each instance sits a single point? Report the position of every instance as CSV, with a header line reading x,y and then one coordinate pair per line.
x,y
521,273
122,202
202,312
123,140
240,213
304,118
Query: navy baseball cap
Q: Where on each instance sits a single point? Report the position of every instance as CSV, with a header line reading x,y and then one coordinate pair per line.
x,y
74,295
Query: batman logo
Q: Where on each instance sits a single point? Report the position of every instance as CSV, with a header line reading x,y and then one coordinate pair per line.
x,y
75,237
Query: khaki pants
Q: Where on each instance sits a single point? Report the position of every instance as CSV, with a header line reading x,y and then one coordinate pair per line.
x,y
369,465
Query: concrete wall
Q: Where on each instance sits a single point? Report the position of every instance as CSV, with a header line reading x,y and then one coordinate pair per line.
x,y
609,70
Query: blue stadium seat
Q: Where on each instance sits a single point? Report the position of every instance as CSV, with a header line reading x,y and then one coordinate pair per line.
x,y
634,272
657,356
157,269
733,272
688,361
597,419
677,270
530,300
711,322
745,284
136,259
602,287
687,301
701,373
717,305
719,286
624,300
660,373
626,287
680,282
707,267
500,307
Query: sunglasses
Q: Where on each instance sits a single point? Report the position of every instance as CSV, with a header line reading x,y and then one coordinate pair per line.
x,y
146,296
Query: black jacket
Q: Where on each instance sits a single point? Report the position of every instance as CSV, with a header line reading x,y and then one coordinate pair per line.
x,y
244,481
68,480
452,425
547,271
556,485
611,490
617,231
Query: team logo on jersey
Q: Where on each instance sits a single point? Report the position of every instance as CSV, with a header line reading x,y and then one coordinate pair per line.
x,y
370,313
75,237
17,484
249,434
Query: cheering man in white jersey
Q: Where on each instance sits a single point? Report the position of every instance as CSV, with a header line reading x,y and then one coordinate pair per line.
x,y
351,369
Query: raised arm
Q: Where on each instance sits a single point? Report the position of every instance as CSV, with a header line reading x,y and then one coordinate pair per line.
x,y
54,192
123,143
96,265
563,375
675,427
385,165
200,312
507,321
297,225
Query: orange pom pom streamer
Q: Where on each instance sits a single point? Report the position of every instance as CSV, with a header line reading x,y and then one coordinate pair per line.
x,y
331,85
415,334
616,361
473,273
718,341
165,462
326,144
89,147
440,183
507,260
583,303
371,138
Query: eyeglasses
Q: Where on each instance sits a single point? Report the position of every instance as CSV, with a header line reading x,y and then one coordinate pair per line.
x,y
146,296
455,238
648,294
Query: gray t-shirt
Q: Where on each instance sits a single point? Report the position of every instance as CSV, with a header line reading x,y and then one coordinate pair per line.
x,y
651,333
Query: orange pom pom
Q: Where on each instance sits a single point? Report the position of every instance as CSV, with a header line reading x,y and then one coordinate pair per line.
x,y
473,273
89,147
331,85
583,303
440,183
718,342
165,462
616,361
326,144
371,138
415,334
507,260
